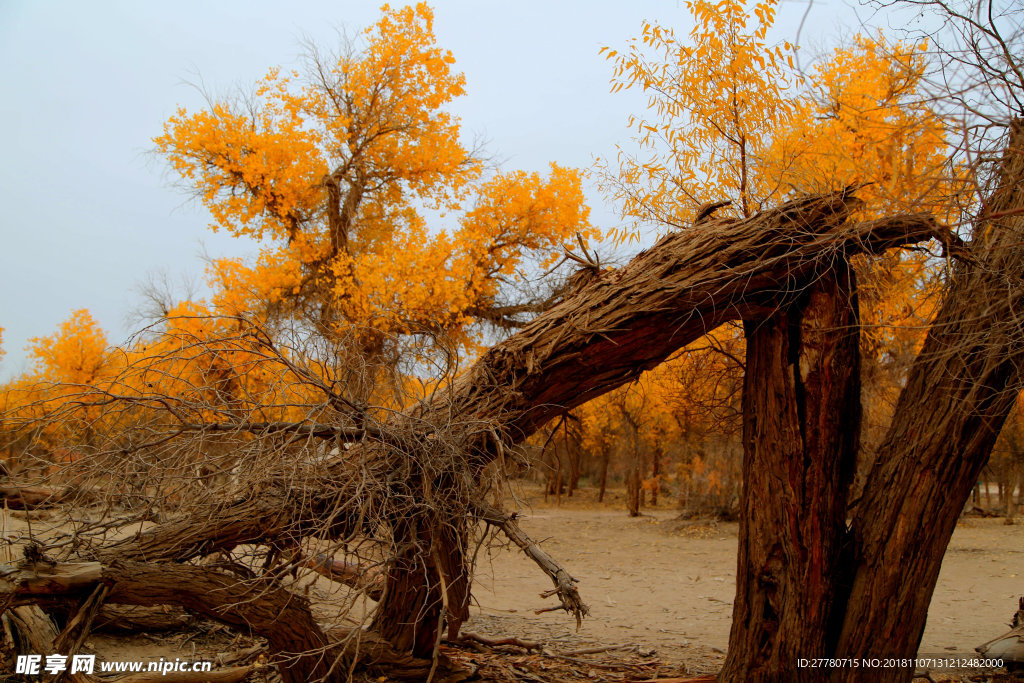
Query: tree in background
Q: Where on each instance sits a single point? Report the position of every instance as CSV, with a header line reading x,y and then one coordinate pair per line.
x,y
336,171
715,99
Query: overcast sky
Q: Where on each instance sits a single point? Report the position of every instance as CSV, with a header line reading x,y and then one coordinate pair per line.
x,y
86,212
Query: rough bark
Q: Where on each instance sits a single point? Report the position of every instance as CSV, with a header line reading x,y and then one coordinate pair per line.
x,y
427,585
260,607
627,321
960,390
801,415
132,619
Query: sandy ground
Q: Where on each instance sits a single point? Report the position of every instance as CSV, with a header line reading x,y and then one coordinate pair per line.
x,y
659,588
656,585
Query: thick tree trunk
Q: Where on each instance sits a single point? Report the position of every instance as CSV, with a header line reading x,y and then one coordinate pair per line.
x,y
801,416
959,392
427,587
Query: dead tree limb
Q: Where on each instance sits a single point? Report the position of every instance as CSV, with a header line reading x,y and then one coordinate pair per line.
x,y
565,584
18,497
260,607
369,580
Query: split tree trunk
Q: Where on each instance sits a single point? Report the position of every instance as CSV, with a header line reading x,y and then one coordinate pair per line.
x,y
625,322
808,589
801,418
427,587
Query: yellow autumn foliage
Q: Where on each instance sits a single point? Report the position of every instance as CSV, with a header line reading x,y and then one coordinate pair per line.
x,y
338,169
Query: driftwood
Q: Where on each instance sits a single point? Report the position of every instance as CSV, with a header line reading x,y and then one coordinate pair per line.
x,y
1008,647
258,607
362,578
469,637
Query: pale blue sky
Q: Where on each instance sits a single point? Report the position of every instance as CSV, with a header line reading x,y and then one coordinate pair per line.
x,y
86,212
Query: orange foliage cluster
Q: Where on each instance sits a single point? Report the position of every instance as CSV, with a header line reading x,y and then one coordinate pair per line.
x,y
334,170
716,98
196,369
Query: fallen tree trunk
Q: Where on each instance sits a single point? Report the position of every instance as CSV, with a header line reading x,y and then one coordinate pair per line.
x,y
421,477
624,322
256,606
606,334
627,321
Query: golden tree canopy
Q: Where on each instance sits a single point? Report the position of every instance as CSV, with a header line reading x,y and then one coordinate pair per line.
x,y
337,169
